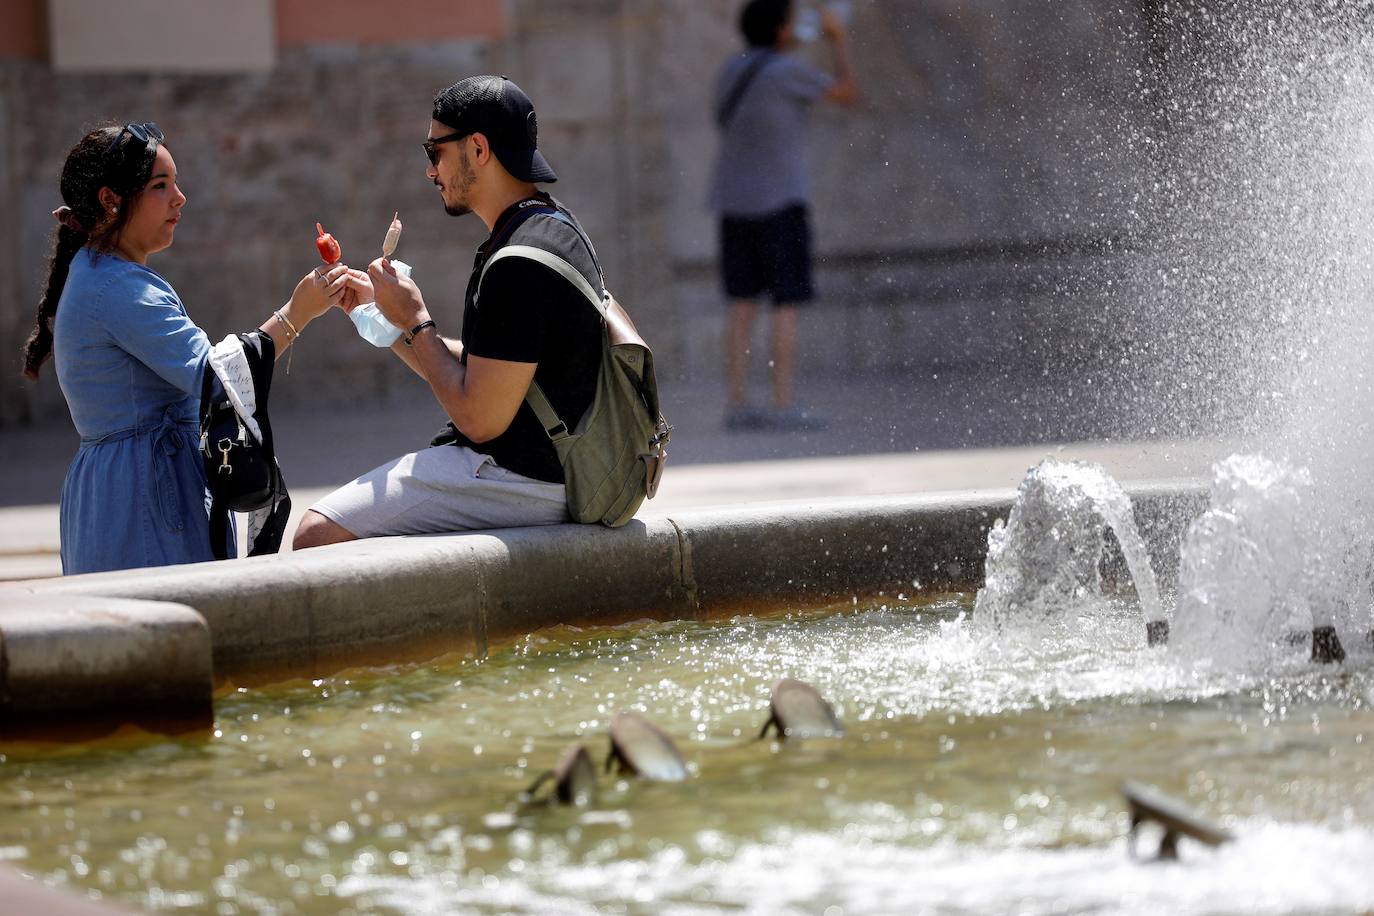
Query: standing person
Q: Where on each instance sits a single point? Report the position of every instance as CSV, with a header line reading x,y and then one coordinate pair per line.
x,y
494,466
763,99
129,359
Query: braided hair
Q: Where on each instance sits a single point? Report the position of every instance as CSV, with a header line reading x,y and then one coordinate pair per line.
x,y
107,157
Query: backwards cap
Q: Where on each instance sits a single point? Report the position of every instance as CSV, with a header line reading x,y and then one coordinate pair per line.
x,y
497,108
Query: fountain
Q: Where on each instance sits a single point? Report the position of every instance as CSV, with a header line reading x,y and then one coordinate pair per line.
x,y
966,751
1253,572
1254,578
1046,560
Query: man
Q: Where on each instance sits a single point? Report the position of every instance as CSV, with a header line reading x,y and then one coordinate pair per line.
x,y
759,189
494,466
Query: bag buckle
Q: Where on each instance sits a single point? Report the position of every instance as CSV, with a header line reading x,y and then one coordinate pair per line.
x,y
226,445
653,471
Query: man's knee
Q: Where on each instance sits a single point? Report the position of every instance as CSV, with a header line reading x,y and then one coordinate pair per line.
x,y
316,531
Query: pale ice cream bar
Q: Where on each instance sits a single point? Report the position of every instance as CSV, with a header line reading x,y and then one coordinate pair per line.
x,y
393,236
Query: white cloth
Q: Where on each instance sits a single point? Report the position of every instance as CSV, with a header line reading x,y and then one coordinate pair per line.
x,y
230,363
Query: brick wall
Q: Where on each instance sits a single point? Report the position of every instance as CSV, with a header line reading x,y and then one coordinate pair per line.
x,y
987,121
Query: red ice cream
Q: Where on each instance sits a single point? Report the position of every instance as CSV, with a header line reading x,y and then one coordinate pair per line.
x,y
327,245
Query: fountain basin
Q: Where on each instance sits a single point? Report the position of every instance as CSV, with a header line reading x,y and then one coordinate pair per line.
x,y
976,774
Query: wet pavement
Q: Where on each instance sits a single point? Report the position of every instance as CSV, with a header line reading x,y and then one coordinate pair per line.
x,y
882,436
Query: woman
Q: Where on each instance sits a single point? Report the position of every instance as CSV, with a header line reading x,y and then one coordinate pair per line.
x,y
128,358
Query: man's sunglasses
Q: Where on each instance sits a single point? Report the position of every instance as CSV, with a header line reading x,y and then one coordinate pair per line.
x,y
430,145
146,132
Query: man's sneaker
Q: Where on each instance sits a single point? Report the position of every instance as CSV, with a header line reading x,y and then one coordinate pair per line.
x,y
795,419
743,418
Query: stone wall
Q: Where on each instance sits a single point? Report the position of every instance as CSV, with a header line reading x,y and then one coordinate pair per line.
x,y
981,123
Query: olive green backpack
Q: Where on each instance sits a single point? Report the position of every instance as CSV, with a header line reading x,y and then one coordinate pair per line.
x,y
613,460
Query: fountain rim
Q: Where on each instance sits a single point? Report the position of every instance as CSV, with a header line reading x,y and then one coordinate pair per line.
x,y
410,598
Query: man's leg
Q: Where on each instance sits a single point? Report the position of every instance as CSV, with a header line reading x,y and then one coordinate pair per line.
x,y
740,324
316,531
438,489
784,354
789,247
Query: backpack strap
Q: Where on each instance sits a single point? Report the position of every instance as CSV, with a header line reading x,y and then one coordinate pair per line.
x,y
554,263
531,206
563,216
555,428
727,108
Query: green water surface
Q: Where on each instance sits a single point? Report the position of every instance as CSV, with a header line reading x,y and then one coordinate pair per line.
x,y
396,791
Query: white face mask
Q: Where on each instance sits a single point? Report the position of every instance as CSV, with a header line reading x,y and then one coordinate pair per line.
x,y
371,324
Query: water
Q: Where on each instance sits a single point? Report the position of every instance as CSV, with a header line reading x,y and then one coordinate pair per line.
x,y
965,757
1251,299
1046,560
1246,576
980,767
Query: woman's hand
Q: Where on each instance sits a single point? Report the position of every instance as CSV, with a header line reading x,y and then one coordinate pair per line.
x,y
317,292
397,297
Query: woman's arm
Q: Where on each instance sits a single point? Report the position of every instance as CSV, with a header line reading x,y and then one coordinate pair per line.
x,y
317,292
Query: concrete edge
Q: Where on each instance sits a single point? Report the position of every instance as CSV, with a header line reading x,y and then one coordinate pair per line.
x,y
21,894
382,600
64,656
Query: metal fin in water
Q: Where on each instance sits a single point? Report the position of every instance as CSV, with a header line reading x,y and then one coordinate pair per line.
x,y
1326,646
797,710
1146,805
574,777
641,748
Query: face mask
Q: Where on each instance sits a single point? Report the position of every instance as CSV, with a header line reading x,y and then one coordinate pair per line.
x,y
371,324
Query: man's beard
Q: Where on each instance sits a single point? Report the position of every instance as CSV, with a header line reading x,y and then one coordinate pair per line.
x,y
467,177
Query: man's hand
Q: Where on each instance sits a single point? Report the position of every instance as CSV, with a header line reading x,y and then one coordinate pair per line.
x,y
358,290
397,297
845,90
831,26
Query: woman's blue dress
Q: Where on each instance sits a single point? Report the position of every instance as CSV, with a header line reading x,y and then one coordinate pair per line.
x,y
129,361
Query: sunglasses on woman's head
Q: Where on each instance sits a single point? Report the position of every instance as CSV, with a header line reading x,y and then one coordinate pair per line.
x,y
146,131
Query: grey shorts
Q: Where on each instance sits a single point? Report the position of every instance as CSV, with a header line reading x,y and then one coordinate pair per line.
x,y
442,488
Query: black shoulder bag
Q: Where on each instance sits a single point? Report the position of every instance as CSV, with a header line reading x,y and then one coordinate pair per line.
x,y
242,474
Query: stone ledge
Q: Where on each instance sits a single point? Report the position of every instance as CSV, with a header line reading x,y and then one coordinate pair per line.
x,y
382,600
25,896
64,656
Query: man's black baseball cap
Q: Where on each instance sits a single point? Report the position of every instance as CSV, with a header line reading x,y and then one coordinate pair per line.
x,y
500,110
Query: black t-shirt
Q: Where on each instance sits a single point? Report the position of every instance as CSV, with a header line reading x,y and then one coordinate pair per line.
x,y
528,313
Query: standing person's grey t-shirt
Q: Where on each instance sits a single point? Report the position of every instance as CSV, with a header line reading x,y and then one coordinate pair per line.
x,y
761,166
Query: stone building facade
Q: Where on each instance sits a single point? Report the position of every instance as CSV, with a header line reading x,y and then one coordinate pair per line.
x,y
996,141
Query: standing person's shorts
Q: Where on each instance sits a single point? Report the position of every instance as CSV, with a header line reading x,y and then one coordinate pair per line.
x,y
442,488
767,255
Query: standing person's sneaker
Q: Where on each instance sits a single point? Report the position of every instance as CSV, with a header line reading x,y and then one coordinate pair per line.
x,y
743,418
795,419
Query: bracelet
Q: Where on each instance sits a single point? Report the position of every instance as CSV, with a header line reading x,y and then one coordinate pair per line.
x,y
291,331
417,329
291,335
